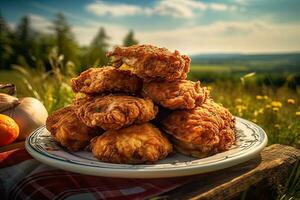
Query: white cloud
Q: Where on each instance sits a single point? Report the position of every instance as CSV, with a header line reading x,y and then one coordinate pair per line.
x,y
103,8
40,23
242,2
218,6
172,8
249,37
192,3
85,33
12,25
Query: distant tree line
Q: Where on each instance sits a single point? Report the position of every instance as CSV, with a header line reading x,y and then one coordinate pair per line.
x,y
28,47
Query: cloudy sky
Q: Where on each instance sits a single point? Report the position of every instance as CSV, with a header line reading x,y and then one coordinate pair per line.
x,y
202,26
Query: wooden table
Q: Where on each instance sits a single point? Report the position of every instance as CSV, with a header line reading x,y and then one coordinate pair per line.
x,y
257,178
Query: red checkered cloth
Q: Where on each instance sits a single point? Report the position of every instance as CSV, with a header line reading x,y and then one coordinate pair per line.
x,y
22,177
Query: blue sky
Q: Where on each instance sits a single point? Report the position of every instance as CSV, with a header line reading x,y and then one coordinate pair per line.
x,y
191,26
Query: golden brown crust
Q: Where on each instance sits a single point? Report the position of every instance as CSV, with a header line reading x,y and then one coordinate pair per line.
x,y
133,145
106,79
218,109
67,130
182,94
114,111
206,129
152,63
226,140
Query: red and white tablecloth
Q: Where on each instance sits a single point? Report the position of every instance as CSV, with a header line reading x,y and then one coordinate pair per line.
x,y
22,177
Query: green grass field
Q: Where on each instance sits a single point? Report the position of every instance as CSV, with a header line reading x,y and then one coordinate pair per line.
x,y
218,68
18,80
51,88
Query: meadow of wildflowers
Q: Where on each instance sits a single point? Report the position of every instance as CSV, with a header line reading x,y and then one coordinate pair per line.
x,y
276,110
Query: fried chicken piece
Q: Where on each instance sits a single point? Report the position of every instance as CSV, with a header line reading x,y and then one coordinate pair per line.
x,y
182,94
114,111
202,131
133,145
68,131
106,79
150,62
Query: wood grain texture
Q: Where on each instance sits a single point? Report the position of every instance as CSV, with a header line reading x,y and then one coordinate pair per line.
x,y
258,177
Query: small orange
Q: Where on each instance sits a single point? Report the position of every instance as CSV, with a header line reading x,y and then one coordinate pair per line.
x,y
9,130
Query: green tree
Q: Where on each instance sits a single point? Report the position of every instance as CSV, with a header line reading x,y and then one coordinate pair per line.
x,y
95,54
129,39
65,41
5,44
45,44
24,43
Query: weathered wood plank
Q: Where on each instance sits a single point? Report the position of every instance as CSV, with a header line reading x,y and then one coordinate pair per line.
x,y
258,176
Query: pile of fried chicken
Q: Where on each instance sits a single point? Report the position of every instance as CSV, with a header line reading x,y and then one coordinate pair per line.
x,y
137,109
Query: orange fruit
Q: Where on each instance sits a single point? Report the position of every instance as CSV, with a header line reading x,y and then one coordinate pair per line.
x,y
9,130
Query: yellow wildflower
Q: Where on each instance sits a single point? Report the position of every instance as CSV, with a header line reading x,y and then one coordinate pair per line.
x,y
277,126
275,109
255,113
209,88
268,106
254,120
261,111
276,104
298,113
258,97
291,101
240,108
238,100
266,97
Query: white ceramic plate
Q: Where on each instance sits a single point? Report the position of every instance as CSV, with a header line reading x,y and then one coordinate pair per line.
x,y
251,139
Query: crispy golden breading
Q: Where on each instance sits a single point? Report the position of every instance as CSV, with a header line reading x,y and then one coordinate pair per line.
x,y
226,140
67,130
114,111
151,63
133,145
218,109
182,94
202,131
106,79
